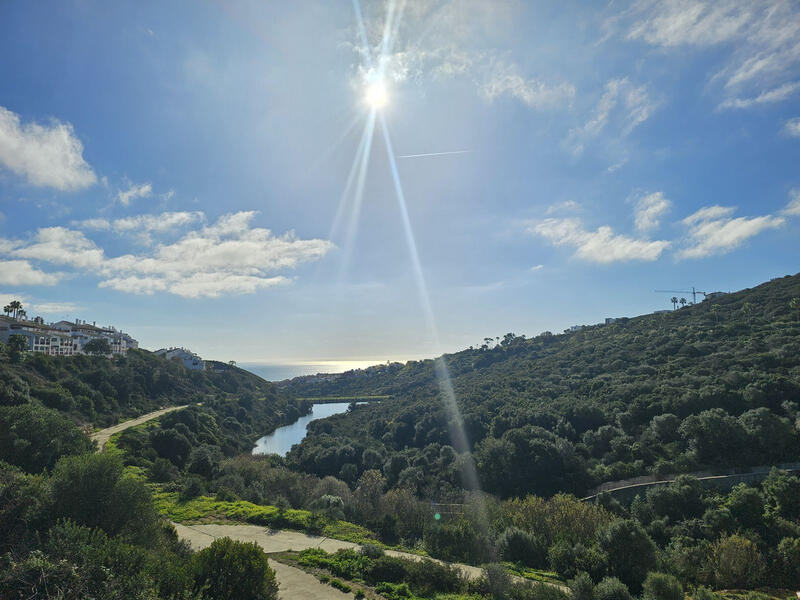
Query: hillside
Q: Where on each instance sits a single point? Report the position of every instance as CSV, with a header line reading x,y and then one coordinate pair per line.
x,y
717,383
101,391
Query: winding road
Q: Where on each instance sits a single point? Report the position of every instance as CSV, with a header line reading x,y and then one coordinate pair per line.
x,y
102,436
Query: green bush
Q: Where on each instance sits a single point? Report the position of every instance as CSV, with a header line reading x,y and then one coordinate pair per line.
x,y
521,547
660,586
232,570
582,587
342,587
192,488
612,588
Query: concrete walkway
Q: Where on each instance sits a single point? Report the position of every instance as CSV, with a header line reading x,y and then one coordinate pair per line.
x,y
102,436
201,536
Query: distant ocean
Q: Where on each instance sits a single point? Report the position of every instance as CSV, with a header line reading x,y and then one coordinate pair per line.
x,y
276,372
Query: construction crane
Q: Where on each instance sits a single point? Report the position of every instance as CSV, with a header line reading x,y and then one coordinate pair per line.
x,y
693,292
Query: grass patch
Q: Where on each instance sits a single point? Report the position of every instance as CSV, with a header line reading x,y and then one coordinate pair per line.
x,y
533,574
207,508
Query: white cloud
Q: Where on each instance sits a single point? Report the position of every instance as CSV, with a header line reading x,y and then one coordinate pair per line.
x,y
601,246
709,213
505,79
21,272
792,127
144,225
134,191
713,231
566,206
768,97
537,268
623,104
230,256
46,155
62,246
761,39
793,208
459,39
649,210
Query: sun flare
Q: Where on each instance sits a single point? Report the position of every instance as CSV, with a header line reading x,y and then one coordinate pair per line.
x,y
376,95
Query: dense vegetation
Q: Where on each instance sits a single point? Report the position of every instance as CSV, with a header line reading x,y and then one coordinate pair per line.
x,y
709,385
547,418
103,390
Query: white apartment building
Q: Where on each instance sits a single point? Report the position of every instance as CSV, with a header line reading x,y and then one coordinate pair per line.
x,y
189,359
63,338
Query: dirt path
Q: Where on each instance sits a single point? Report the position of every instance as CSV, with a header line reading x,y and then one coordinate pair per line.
x,y
102,436
200,536
295,584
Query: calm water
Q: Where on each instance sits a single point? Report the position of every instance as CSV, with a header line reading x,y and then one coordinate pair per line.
x,y
274,372
282,439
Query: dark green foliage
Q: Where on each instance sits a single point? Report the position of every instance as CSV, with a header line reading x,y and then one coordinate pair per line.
x,y
582,587
631,553
34,438
192,488
521,547
660,586
97,347
611,588
91,490
232,570
658,394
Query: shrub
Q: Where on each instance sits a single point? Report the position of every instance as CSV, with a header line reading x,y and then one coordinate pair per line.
x,y
660,586
581,586
359,594
232,570
703,593
612,588
342,587
518,546
631,552
192,488
737,562
372,551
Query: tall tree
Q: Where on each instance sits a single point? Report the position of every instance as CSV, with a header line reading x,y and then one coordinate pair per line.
x,y
15,306
683,302
674,301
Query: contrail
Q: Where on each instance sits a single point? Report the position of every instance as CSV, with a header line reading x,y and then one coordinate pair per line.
x,y
436,154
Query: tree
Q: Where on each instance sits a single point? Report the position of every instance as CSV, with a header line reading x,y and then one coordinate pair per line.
x,y
7,309
794,304
21,314
674,301
715,310
15,306
612,588
97,347
660,586
34,438
683,302
232,570
737,563
631,552
17,344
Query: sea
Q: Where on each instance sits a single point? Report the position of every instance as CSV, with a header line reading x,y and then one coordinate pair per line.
x,y
279,372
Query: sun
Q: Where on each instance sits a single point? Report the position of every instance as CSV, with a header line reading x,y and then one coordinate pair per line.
x,y
376,96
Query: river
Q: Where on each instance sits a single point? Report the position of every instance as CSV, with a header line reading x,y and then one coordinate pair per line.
x,y
283,438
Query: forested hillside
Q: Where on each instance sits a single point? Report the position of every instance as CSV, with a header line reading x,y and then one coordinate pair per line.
x,y
711,384
101,390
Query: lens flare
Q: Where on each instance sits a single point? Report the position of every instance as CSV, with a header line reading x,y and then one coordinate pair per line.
x,y
376,95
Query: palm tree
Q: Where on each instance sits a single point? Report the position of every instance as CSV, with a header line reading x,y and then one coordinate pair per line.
x,y
794,304
674,301
16,306
683,302
747,311
21,314
7,309
715,309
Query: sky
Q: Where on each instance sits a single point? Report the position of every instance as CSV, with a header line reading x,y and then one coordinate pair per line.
x,y
216,175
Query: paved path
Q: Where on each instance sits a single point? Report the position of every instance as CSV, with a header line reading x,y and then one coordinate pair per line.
x,y
200,536
102,436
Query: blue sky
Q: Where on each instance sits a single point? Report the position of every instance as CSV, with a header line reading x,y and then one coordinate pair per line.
x,y
177,168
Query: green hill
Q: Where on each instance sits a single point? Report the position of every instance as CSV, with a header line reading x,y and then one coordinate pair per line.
x,y
711,384
102,391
